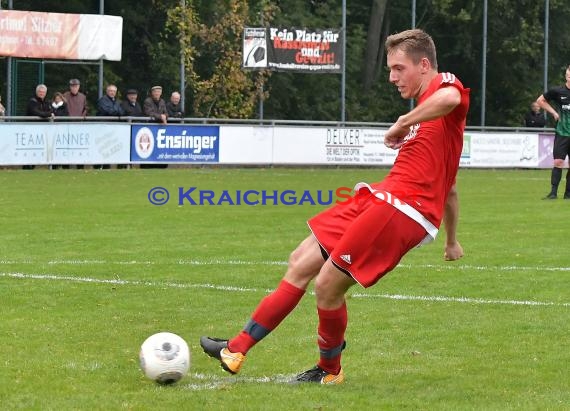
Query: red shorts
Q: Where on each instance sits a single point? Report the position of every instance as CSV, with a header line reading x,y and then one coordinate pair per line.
x,y
367,237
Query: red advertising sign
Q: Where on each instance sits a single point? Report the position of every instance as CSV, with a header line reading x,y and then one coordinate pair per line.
x,y
60,36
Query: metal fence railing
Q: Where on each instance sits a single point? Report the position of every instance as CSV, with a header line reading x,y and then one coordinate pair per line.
x,y
268,122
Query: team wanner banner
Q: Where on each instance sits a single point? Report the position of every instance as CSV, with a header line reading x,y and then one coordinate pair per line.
x,y
293,49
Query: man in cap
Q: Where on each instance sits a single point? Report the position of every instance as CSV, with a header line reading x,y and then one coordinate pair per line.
x,y
154,106
131,106
76,100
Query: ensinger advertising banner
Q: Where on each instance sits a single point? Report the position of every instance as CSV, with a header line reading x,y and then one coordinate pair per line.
x,y
175,144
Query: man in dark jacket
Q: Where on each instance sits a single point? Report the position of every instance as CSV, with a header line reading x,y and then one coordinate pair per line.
x,y
109,105
535,117
131,106
174,107
39,106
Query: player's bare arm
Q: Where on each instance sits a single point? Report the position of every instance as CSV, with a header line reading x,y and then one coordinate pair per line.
x,y
545,105
442,102
394,137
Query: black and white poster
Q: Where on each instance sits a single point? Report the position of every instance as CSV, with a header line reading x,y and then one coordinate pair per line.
x,y
254,48
293,49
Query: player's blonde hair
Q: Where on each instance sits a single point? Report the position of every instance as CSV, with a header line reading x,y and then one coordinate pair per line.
x,y
416,43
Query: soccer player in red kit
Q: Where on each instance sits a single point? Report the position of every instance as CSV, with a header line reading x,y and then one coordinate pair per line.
x,y
363,239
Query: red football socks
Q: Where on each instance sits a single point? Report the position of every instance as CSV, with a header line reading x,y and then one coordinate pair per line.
x,y
332,325
267,316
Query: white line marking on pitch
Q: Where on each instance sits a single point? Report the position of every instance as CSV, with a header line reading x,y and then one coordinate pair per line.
x,y
452,266
118,281
212,382
448,266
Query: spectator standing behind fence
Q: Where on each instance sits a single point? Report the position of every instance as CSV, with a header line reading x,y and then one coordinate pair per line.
x,y
38,106
76,100
131,106
173,107
59,106
59,109
535,116
108,105
154,106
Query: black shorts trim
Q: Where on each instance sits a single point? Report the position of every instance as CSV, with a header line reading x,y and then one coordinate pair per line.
x,y
343,270
324,253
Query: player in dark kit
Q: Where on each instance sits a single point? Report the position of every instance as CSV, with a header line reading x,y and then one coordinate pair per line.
x,y
363,240
560,98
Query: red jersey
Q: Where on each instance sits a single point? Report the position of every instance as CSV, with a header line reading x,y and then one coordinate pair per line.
x,y
427,163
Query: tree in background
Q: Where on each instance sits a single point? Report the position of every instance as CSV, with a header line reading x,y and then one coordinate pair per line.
x,y
151,54
213,54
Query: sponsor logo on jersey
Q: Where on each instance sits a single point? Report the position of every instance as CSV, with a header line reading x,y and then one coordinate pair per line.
x,y
447,78
413,132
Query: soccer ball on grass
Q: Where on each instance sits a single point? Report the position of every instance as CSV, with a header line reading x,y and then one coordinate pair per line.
x,y
164,357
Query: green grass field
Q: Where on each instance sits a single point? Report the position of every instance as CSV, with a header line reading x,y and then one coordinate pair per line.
x,y
89,269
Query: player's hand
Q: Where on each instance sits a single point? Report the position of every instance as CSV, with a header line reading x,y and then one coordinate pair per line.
x,y
453,252
394,137
556,116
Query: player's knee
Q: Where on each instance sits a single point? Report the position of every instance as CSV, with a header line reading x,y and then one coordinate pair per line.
x,y
322,286
558,163
295,258
321,290
303,256
328,295
301,268
331,286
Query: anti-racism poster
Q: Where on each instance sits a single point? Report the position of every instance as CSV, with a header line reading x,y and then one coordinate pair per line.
x,y
293,49
254,48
